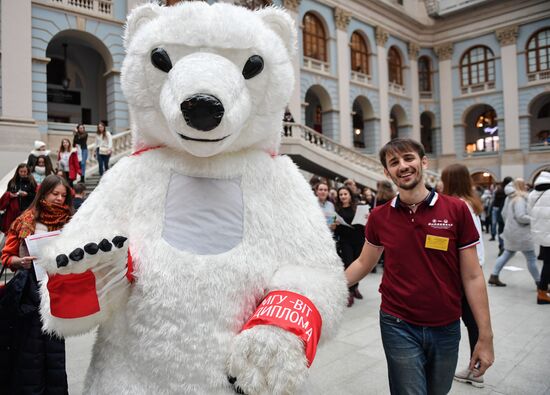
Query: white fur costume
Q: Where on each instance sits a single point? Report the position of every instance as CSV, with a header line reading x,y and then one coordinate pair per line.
x,y
176,329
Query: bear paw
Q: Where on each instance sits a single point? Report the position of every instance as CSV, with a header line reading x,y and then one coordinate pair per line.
x,y
96,256
267,360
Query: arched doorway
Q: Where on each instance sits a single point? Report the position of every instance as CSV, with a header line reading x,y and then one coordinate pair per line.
x,y
362,123
539,111
317,104
398,121
427,137
481,129
483,179
76,82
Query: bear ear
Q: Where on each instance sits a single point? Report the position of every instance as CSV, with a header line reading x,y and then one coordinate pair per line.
x,y
137,18
282,24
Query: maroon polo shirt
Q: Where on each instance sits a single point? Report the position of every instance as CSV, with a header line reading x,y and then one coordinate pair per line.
x,y
421,282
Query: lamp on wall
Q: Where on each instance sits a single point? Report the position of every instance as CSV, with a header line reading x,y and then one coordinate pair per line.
x,y
66,80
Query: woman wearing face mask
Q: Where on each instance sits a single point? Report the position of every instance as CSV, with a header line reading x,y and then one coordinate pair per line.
x,y
18,197
35,360
350,238
41,169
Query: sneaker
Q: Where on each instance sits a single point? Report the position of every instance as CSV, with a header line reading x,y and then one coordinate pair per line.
x,y
467,376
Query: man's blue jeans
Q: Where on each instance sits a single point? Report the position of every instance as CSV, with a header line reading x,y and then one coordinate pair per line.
x,y
421,360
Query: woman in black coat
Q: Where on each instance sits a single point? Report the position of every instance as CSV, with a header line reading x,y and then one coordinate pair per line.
x,y
349,238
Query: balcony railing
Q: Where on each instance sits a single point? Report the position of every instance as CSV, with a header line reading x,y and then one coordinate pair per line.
x,y
539,76
426,95
396,88
478,87
362,78
316,65
95,7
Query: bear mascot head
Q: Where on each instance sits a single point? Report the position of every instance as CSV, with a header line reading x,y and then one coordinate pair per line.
x,y
217,78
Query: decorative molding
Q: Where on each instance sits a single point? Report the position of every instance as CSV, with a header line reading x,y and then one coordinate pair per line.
x,y
37,59
507,35
342,18
413,49
80,23
444,51
381,35
432,6
292,5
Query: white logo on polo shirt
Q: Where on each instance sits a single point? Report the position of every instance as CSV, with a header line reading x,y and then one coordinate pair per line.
x,y
440,224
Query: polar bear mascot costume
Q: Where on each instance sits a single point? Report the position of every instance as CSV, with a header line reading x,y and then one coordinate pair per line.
x,y
203,258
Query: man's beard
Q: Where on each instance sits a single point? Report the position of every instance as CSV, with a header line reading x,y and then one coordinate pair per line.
x,y
408,186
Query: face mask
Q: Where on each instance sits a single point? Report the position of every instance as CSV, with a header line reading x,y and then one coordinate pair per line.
x,y
40,169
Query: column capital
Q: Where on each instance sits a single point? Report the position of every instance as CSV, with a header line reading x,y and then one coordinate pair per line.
x,y
292,5
444,51
507,35
381,36
342,18
413,49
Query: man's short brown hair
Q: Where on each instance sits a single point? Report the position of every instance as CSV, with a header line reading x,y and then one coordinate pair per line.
x,y
401,145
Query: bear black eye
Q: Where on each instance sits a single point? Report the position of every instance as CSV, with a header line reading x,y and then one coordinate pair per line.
x,y
161,60
254,66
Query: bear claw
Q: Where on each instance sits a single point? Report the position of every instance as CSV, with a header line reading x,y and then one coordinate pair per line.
x,y
118,241
77,254
62,260
91,248
232,380
105,246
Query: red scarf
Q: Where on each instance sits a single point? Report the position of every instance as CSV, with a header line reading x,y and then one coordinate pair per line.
x,y
54,216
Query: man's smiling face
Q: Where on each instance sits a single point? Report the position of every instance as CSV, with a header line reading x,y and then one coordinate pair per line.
x,y
405,169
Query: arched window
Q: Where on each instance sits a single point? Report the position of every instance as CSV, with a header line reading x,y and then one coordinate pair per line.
x,y
315,42
359,54
424,74
538,51
395,67
477,66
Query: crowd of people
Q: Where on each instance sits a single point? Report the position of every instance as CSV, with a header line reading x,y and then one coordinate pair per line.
x,y
70,165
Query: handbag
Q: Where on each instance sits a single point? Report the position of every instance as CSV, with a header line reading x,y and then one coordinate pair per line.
x,y
104,151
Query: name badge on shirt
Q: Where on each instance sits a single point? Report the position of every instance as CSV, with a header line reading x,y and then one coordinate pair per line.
x,y
437,243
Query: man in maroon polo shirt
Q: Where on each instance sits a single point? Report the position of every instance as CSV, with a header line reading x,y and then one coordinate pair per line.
x,y
430,259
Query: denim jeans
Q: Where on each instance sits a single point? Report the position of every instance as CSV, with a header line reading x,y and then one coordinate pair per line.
x,y
83,162
530,257
103,161
421,360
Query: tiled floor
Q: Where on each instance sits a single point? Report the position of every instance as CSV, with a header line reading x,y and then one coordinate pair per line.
x,y
354,362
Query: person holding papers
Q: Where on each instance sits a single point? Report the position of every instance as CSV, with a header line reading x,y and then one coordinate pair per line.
x,y
33,361
350,238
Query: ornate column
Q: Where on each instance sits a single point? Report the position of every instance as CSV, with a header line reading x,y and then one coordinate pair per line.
x,y
445,52
295,104
512,162
342,19
413,50
381,36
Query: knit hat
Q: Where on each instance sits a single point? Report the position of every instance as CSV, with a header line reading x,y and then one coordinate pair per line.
x,y
39,144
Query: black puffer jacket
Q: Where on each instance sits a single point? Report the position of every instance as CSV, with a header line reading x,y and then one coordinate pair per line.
x,y
31,362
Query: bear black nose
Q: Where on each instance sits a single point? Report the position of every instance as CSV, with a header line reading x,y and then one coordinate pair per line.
x,y
202,112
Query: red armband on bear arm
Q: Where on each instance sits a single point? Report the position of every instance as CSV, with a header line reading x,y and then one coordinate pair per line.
x,y
292,312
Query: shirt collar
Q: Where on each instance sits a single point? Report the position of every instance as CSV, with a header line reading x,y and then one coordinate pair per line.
x,y
431,199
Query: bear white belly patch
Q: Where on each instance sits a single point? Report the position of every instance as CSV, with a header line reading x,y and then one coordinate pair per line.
x,y
203,216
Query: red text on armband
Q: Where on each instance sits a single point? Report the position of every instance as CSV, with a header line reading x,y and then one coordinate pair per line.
x,y
292,312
